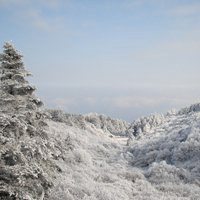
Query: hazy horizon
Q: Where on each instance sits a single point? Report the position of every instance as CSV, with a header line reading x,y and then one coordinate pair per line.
x,y
124,59
131,104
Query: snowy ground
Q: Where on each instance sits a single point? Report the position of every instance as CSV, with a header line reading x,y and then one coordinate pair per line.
x,y
98,166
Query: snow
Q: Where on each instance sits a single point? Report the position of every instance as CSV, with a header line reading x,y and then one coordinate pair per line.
x,y
160,164
93,120
27,166
52,155
92,168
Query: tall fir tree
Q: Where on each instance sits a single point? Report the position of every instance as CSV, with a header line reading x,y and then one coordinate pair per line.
x,y
25,174
15,89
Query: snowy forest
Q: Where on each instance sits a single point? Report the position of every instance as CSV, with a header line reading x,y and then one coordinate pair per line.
x,y
48,154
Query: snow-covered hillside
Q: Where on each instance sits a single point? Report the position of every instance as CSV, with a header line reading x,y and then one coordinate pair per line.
x,y
50,155
160,162
93,120
168,152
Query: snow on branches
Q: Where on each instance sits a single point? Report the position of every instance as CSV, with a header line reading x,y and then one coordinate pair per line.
x,y
26,164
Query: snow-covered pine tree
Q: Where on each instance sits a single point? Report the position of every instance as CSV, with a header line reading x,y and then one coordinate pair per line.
x,y
26,164
15,89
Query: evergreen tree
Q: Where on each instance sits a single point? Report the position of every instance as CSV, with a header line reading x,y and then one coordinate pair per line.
x,y
26,166
15,89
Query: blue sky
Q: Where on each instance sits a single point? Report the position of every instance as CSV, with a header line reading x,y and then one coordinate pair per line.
x,y
124,58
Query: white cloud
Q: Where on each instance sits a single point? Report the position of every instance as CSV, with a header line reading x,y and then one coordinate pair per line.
x,y
63,103
136,102
133,102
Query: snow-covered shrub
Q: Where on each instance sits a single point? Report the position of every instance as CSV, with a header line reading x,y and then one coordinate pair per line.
x,y
161,172
69,119
113,126
56,115
107,124
192,108
145,125
174,148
